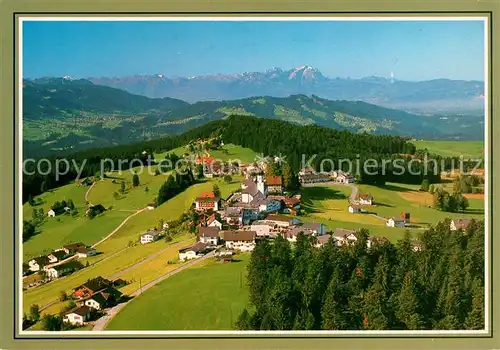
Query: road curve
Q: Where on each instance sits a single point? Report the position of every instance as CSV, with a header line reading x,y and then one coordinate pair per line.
x,y
101,323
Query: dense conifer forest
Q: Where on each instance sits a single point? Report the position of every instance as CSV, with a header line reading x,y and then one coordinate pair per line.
x,y
384,287
270,137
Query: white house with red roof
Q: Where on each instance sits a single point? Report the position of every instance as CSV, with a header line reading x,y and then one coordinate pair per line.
x,y
208,201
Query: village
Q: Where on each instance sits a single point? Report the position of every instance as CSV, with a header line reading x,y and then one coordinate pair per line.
x,y
260,209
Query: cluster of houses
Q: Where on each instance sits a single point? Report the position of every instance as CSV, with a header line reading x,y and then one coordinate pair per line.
x,y
61,261
356,206
93,296
310,176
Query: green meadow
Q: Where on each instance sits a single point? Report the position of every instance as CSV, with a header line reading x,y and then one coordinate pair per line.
x,y
329,205
206,297
467,149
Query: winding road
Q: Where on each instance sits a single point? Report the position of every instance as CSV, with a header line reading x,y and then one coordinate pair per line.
x,y
101,323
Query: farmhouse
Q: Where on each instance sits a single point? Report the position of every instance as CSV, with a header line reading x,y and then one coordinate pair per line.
x,y
313,178
282,220
91,287
64,269
100,300
314,228
322,240
192,252
209,235
458,224
267,205
344,178
150,236
395,222
365,199
56,256
264,228
84,252
208,201
274,184
36,264
353,208
72,248
240,240
214,222
343,236
51,213
78,316
232,215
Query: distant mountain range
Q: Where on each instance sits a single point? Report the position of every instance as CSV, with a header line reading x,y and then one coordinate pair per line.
x,y
433,96
62,114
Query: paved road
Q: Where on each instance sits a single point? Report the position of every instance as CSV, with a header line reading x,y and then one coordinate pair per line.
x,y
101,323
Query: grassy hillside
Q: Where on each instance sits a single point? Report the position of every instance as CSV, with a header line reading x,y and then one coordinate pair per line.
x,y
115,253
63,115
208,297
467,149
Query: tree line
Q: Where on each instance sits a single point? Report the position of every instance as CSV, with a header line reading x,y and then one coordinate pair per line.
x,y
267,136
388,286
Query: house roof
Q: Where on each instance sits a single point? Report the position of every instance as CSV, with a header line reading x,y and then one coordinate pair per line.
x,y
312,226
101,297
248,182
246,236
323,239
212,218
198,247
396,219
274,180
251,189
461,223
58,254
315,176
207,197
366,197
69,265
74,246
294,231
82,311
84,250
281,218
153,233
96,284
342,232
209,231
42,260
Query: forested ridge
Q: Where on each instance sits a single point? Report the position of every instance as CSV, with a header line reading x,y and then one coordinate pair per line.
x,y
270,137
386,287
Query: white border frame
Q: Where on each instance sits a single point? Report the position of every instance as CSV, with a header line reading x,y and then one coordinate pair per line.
x,y
200,334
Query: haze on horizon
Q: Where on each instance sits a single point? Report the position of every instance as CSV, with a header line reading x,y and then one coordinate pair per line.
x,y
405,50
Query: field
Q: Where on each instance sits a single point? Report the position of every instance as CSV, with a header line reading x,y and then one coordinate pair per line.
x,y
64,229
467,149
115,255
208,297
328,205
106,266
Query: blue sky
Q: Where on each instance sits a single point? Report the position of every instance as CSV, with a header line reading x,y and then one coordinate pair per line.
x,y
412,50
